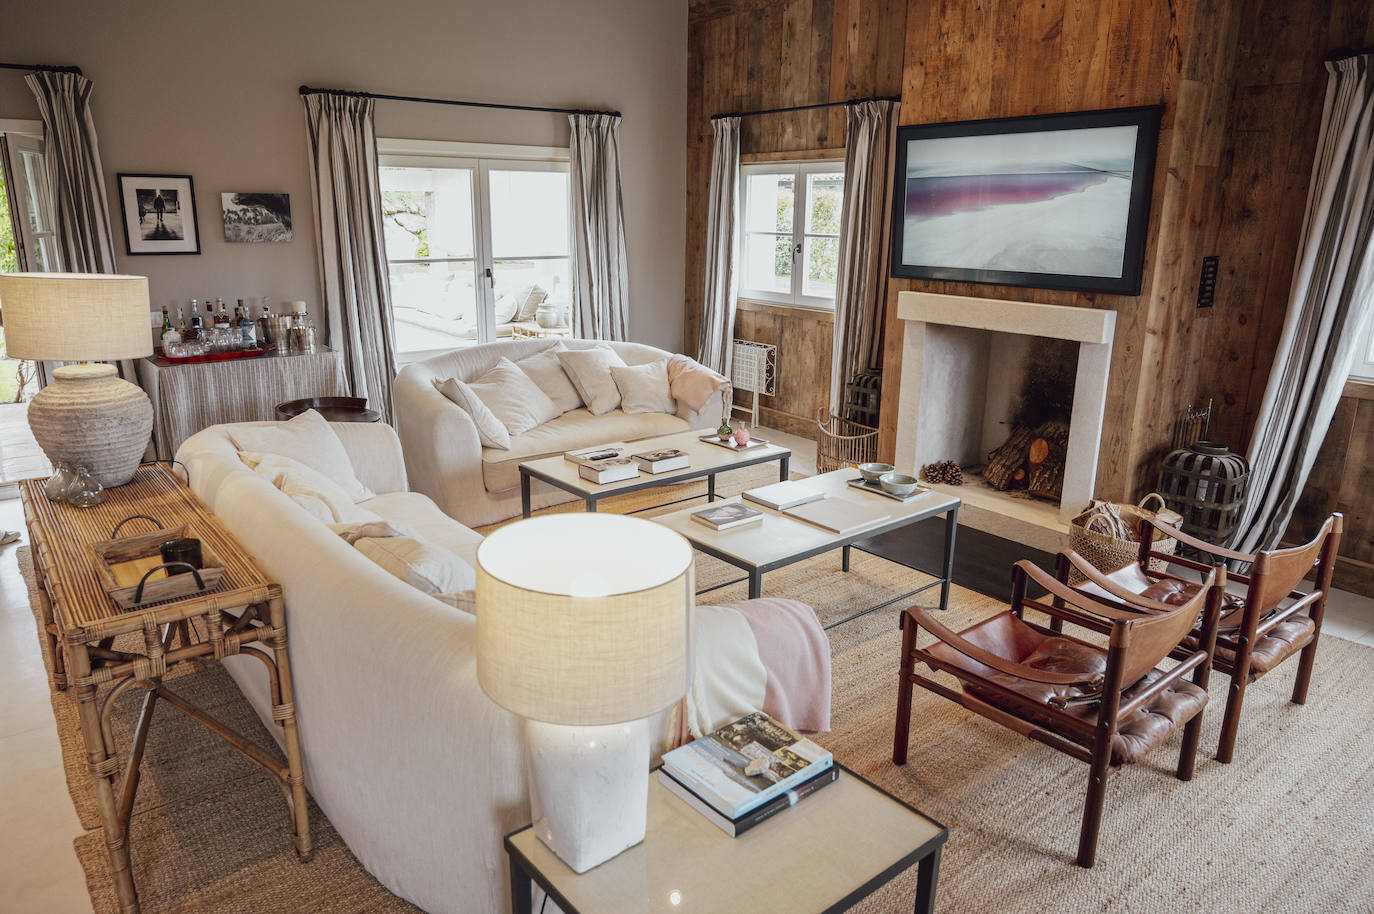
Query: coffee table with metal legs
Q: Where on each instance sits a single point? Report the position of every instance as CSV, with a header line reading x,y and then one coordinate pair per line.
x,y
779,540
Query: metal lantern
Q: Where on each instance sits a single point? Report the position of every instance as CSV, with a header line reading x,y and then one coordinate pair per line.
x,y
1206,483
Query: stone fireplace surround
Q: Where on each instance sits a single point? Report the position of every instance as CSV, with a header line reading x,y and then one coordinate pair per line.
x,y
953,355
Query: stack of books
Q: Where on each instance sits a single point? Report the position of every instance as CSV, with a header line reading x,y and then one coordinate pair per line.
x,y
662,460
712,774
604,463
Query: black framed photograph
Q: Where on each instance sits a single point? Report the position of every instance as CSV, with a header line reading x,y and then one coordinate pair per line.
x,y
256,218
1058,201
159,214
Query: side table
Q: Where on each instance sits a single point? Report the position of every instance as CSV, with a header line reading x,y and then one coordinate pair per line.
x,y
822,856
243,615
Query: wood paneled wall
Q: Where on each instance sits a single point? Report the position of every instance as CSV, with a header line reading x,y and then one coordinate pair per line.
x,y
1241,85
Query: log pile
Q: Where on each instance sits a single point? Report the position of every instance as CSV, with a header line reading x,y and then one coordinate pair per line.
x,y
1031,459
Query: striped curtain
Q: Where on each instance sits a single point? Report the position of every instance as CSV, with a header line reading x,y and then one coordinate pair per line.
x,y
1330,303
722,249
865,226
76,184
602,308
348,213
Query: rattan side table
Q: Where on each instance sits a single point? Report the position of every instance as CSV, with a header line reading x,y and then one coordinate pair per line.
x,y
243,615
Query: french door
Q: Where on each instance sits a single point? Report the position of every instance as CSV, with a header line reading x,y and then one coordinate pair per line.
x,y
26,184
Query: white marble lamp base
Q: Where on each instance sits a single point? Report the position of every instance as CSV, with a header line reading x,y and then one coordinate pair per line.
x,y
589,788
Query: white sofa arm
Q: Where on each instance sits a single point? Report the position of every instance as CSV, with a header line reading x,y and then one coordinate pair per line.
x,y
374,449
443,455
708,417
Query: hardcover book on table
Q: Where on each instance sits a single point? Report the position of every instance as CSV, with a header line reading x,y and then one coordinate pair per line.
x,y
662,460
612,469
728,515
736,827
783,495
714,766
588,455
841,516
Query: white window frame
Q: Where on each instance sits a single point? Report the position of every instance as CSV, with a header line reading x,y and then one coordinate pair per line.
x,y
1362,368
35,233
799,170
481,158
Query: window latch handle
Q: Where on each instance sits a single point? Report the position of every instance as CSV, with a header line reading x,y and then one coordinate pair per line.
x,y
490,279
796,250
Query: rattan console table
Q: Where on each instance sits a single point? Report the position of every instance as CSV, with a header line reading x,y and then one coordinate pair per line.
x,y
243,615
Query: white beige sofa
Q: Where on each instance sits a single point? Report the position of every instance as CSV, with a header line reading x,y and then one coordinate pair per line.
x,y
420,773
478,485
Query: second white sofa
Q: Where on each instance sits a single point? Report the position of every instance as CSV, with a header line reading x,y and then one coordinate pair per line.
x,y
477,485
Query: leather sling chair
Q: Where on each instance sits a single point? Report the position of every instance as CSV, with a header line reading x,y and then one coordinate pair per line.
x,y
1107,706
1256,632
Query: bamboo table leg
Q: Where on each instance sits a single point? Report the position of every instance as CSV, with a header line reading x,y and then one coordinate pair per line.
x,y
104,768
48,623
285,713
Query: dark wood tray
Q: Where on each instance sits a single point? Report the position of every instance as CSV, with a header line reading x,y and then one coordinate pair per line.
x,y
121,563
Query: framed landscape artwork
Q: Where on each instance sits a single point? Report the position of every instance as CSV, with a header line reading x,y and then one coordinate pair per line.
x,y
159,214
1058,201
257,218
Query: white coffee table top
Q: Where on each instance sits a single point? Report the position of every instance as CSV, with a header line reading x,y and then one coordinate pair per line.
x,y
803,860
704,457
779,538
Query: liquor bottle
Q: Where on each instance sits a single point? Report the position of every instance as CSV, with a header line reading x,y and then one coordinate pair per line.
x,y
209,320
265,324
221,316
248,331
166,322
169,333
181,322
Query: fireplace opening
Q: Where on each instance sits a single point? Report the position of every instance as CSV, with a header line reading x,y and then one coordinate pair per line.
x,y
1030,404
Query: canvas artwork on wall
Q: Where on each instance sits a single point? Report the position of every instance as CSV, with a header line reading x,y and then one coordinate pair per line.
x,y
1056,201
159,214
257,218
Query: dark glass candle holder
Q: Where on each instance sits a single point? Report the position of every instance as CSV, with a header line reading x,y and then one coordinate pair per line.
x,y
185,549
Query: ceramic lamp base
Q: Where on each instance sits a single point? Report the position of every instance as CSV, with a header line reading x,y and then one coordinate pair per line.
x,y
589,789
91,417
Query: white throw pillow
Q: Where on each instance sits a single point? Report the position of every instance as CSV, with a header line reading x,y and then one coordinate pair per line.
x,y
466,600
644,388
508,305
544,369
515,400
307,439
590,371
490,431
420,563
315,492
530,298
351,533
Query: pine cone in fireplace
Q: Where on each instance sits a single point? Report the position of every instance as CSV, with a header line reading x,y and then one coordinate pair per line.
x,y
946,472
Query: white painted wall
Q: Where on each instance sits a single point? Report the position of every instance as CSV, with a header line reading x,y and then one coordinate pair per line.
x,y
209,89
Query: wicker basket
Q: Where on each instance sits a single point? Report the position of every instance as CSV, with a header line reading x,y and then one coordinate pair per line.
x,y
1106,548
843,443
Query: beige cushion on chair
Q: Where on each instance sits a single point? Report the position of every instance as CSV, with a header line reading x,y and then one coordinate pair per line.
x,y
490,430
644,388
590,371
306,439
545,370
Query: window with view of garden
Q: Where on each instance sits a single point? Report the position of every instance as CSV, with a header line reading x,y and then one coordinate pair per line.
x,y
790,232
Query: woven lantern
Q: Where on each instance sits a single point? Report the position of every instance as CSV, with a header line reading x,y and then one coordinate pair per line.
x,y
1206,483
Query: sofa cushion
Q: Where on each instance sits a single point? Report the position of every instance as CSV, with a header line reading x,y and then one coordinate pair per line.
x,y
589,370
421,564
529,297
515,400
306,439
490,430
312,490
418,514
545,370
575,429
643,388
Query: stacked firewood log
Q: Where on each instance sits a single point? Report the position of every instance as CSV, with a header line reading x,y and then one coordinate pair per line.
x,y
1031,459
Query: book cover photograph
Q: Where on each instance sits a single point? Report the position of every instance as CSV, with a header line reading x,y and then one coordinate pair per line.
x,y
723,517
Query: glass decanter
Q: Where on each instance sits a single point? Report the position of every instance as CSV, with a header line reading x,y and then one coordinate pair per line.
x,y
86,491
60,482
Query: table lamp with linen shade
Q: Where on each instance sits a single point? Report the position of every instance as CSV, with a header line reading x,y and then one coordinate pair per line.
x,y
584,629
88,415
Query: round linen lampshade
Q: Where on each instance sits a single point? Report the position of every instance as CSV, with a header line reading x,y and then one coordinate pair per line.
x,y
75,317
584,619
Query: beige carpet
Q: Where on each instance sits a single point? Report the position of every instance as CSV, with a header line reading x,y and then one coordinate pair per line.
x,y
1287,827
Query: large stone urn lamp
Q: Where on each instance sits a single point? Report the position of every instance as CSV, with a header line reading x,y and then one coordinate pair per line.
x,y
88,415
583,625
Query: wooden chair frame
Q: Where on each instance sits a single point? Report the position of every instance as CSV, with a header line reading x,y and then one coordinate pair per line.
x,y
1273,578
1134,648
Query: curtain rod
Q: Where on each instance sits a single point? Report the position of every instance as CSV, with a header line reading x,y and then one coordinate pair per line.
x,y
852,101
1344,53
42,67
309,90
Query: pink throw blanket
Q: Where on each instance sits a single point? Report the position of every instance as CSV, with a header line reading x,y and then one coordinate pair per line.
x,y
692,382
796,654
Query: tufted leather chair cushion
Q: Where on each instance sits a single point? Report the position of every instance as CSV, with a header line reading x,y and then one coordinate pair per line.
x,y
1010,638
1284,640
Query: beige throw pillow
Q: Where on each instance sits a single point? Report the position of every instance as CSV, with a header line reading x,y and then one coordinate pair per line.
x,y
420,563
490,431
307,439
515,400
590,372
530,298
316,493
644,388
545,370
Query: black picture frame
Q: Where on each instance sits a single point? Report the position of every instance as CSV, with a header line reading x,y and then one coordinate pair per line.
x,y
140,236
1144,118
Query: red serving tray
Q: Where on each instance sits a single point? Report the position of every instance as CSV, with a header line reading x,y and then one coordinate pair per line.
x,y
213,356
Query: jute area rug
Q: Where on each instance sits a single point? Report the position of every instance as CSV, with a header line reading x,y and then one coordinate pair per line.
x,y
1287,827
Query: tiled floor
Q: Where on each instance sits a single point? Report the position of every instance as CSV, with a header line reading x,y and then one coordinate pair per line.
x,y
38,869
20,456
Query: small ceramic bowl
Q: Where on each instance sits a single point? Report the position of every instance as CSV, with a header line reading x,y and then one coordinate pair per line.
x,y
898,483
873,472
